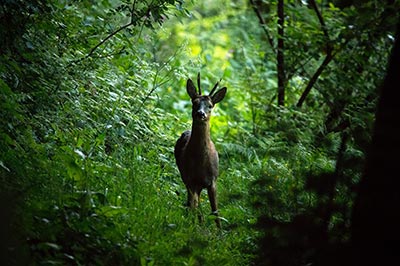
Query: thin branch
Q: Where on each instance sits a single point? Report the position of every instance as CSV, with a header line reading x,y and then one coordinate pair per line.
x,y
314,79
323,26
291,73
155,84
263,24
328,58
107,38
101,43
133,11
131,23
122,50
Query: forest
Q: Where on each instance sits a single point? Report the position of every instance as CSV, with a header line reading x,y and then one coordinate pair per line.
x,y
93,99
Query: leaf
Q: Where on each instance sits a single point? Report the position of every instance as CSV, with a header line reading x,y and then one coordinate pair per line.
x,y
80,153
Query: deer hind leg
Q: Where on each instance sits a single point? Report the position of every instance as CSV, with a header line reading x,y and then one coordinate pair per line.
x,y
212,196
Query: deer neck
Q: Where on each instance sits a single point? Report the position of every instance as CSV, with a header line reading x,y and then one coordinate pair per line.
x,y
200,136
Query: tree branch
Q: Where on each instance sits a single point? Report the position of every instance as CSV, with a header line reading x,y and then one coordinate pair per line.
x,y
131,23
263,24
328,58
314,79
155,84
323,26
133,11
107,38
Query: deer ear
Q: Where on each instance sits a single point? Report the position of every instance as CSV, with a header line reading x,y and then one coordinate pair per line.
x,y
219,95
191,89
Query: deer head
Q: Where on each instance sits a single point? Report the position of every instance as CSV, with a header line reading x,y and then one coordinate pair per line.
x,y
203,104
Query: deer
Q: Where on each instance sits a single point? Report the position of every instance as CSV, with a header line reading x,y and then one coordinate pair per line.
x,y
195,153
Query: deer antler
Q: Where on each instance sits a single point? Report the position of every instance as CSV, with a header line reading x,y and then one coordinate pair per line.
x,y
198,83
215,86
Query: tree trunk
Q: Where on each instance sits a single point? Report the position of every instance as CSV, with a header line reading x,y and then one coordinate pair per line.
x,y
280,55
376,218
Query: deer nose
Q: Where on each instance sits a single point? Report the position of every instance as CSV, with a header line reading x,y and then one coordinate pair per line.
x,y
201,114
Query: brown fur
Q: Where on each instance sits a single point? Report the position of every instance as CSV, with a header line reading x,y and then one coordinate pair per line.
x,y
195,153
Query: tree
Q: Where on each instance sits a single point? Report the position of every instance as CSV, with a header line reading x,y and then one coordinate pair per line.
x,y
316,35
73,76
280,54
342,72
375,221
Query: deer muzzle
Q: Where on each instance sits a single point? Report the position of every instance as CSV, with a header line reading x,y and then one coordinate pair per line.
x,y
201,115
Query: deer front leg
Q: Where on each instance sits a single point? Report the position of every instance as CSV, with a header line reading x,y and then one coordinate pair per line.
x,y
212,196
193,202
193,198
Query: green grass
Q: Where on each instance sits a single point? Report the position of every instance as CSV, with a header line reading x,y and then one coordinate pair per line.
x,y
168,233
129,208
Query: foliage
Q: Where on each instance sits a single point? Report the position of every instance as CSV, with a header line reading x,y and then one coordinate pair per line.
x,y
92,100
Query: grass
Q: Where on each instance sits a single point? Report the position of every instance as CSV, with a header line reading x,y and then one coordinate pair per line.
x,y
146,202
